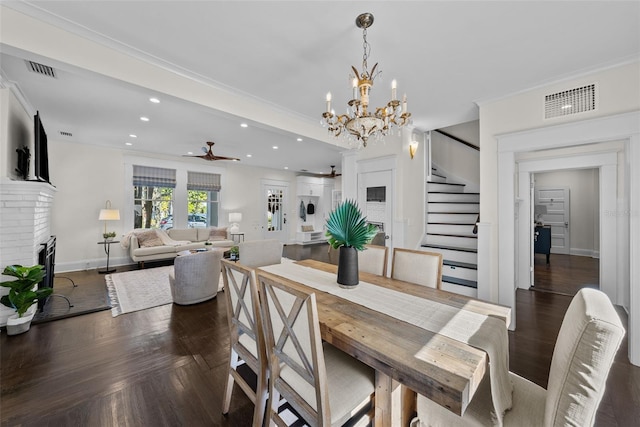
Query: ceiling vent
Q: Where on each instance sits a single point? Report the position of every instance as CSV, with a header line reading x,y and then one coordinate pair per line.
x,y
63,133
569,102
44,70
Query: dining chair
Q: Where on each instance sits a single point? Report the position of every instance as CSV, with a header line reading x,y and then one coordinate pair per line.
x,y
258,253
246,337
419,267
323,385
373,259
589,337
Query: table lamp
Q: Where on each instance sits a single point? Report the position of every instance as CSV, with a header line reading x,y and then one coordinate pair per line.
x,y
234,219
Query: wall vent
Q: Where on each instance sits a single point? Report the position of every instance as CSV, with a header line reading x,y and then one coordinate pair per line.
x,y
569,102
63,133
42,69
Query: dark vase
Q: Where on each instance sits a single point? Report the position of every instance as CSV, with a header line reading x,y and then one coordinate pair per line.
x,y
348,267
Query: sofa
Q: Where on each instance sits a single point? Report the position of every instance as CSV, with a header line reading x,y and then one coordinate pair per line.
x,y
155,244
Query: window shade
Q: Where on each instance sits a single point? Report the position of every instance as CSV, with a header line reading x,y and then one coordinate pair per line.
x,y
153,177
202,181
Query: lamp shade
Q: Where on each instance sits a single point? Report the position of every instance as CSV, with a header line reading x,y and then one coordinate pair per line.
x,y
235,217
109,215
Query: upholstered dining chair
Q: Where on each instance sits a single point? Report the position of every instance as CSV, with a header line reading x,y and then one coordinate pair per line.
x,y
246,337
420,267
258,253
323,385
195,277
589,337
373,259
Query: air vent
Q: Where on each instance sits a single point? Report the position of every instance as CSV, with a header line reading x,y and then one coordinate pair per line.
x,y
568,102
44,70
63,133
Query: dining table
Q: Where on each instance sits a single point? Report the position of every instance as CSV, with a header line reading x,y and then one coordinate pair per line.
x,y
432,362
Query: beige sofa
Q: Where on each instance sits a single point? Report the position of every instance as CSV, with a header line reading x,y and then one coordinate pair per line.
x,y
171,242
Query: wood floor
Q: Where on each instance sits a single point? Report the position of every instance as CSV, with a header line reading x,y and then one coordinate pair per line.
x,y
166,366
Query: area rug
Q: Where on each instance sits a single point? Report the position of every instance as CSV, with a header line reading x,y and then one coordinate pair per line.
x,y
139,289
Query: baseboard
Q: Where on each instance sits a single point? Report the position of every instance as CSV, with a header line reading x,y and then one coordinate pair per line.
x,y
584,252
91,264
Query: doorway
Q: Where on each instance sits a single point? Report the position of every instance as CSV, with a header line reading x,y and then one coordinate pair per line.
x,y
275,195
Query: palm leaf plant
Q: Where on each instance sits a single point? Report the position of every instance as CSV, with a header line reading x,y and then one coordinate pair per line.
x,y
347,227
21,293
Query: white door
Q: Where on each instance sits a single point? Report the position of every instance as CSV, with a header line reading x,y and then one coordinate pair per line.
x,y
556,203
375,199
275,202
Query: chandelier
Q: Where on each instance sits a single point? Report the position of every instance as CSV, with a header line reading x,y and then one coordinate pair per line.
x,y
361,122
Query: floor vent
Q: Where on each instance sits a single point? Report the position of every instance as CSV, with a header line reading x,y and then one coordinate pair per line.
x,y
63,133
569,102
44,70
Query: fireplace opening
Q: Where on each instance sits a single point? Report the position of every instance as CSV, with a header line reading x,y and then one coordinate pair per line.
x,y
47,258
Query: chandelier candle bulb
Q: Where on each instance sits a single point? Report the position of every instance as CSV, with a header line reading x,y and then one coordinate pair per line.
x,y
404,103
328,101
394,89
354,84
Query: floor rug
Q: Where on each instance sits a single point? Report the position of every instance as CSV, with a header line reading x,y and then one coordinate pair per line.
x,y
139,289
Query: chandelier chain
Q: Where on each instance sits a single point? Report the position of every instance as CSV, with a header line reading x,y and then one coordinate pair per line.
x,y
365,55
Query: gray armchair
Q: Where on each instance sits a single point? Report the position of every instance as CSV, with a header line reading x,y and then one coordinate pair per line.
x,y
195,277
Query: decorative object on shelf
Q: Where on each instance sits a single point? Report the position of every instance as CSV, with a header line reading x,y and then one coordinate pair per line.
x,y
109,236
359,122
234,253
22,295
348,230
234,219
108,214
413,147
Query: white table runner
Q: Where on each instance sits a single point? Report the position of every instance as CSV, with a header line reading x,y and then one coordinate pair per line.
x,y
483,332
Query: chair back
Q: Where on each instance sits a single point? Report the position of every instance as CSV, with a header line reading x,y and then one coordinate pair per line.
x,y
373,259
420,267
588,340
294,348
196,277
258,253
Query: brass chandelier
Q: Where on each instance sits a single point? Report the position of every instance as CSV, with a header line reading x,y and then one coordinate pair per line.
x,y
360,123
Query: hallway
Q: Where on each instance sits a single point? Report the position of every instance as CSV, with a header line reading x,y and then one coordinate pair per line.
x,y
565,274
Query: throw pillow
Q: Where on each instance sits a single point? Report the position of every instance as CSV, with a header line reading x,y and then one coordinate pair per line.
x,y
307,228
218,233
148,239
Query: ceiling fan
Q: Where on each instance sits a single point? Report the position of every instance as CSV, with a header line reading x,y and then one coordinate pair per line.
x,y
208,154
331,174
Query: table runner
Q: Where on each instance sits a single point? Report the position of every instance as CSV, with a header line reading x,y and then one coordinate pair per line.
x,y
480,331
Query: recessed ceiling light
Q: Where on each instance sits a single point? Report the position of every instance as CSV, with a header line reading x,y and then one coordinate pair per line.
x,y
248,155
154,100
132,135
286,167
128,143
189,152
244,125
299,139
144,119
275,147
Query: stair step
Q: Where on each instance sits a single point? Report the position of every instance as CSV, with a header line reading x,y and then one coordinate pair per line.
x,y
448,240
437,178
460,282
445,196
450,248
452,235
452,218
446,207
460,264
445,186
464,255
463,230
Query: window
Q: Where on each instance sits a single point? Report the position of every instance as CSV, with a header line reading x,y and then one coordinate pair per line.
x,y
203,202
153,197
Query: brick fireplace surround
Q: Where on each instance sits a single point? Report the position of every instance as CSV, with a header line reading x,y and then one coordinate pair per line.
x,y
25,223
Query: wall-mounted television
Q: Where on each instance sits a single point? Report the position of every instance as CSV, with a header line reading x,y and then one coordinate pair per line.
x,y
41,163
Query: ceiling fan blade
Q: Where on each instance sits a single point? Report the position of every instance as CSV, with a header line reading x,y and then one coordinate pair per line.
x,y
214,157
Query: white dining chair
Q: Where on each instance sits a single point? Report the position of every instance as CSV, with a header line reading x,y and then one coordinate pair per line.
x,y
246,337
258,253
419,267
588,340
373,259
323,385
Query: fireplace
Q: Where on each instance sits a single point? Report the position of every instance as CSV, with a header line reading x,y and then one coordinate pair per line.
x,y
47,258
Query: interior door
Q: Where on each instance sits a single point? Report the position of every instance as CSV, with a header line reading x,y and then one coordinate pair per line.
x,y
556,203
275,201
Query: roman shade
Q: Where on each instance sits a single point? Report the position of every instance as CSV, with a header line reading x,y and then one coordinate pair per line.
x,y
147,176
202,181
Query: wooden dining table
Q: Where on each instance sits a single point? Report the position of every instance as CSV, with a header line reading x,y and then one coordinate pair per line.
x,y
443,369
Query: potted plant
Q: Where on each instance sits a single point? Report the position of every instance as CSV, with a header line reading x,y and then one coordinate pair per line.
x,y
22,295
234,253
348,230
109,236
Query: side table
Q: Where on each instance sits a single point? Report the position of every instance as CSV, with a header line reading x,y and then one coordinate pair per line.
x,y
239,235
107,249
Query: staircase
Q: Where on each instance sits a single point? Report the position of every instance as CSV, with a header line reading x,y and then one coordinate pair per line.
x,y
451,217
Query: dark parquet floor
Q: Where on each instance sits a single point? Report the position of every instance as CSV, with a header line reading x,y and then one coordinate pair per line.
x,y
166,366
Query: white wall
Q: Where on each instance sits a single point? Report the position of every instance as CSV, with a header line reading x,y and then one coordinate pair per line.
x,y
618,93
16,132
584,214
456,161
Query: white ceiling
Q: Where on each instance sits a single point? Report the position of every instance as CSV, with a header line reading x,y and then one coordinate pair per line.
x,y
446,56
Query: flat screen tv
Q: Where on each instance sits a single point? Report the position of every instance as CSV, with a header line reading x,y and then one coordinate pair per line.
x,y
41,164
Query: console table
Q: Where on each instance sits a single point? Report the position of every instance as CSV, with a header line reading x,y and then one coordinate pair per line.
x,y
542,241
107,249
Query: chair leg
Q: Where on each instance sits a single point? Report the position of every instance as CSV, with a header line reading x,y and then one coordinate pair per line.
x,y
228,388
262,395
